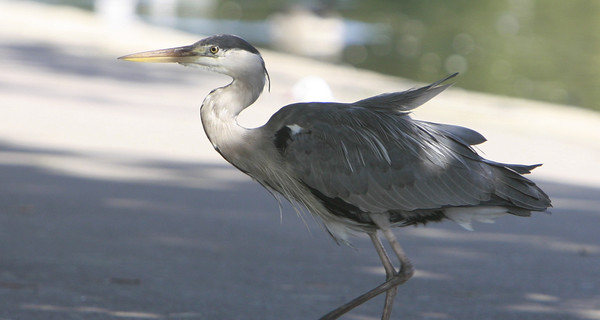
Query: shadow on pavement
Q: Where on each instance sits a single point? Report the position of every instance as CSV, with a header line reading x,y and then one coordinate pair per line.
x,y
53,58
76,246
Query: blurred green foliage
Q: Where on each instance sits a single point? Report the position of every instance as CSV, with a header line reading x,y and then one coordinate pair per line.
x,y
537,49
547,50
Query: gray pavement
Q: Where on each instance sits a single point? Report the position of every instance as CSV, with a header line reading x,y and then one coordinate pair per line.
x,y
114,206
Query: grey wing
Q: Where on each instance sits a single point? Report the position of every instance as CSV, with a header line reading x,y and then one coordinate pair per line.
x,y
359,161
405,101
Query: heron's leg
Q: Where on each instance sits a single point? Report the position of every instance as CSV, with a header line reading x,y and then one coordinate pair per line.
x,y
390,284
382,221
390,272
398,278
406,269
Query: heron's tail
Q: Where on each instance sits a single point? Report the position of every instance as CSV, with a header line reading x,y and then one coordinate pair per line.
x,y
517,193
520,168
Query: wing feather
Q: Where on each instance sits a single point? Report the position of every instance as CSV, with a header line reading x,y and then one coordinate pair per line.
x,y
406,100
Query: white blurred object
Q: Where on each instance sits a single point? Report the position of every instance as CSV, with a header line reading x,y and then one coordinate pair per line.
x,y
163,12
163,8
304,32
116,12
312,89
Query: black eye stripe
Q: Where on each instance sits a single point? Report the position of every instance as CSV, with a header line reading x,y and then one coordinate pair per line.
x,y
226,42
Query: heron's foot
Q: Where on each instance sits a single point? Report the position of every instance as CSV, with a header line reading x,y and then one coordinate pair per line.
x,y
390,286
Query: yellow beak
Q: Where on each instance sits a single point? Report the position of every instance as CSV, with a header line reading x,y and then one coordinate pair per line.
x,y
186,54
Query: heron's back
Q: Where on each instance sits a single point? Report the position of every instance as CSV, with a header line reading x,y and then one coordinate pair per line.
x,y
356,160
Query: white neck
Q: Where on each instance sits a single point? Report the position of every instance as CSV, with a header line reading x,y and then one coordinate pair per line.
x,y
219,113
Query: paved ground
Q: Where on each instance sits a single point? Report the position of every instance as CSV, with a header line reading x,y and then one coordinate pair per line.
x,y
114,206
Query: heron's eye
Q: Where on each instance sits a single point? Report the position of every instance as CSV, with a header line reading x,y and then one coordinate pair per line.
x,y
214,49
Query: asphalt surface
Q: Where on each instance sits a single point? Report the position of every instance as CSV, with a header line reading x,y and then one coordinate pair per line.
x,y
114,206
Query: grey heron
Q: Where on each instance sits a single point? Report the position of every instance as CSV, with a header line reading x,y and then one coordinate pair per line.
x,y
365,166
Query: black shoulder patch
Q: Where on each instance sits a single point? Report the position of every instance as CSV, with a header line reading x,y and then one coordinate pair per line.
x,y
282,138
228,41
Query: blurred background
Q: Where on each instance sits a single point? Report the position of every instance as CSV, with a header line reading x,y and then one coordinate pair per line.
x,y
114,205
546,50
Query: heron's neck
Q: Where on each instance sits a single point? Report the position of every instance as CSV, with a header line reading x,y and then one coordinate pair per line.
x,y
219,113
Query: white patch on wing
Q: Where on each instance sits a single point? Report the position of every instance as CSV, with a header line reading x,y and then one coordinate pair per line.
x,y
464,216
295,128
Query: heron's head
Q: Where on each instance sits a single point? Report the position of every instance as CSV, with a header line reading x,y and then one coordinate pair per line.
x,y
226,54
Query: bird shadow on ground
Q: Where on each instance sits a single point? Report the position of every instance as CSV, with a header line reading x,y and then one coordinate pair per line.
x,y
76,245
